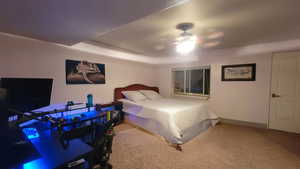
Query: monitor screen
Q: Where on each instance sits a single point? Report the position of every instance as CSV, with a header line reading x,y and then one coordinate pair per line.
x,y
25,94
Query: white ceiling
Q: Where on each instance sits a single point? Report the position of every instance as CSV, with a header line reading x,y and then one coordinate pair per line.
x,y
250,26
72,21
244,22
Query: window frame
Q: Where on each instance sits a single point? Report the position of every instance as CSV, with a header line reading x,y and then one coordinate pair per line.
x,y
186,93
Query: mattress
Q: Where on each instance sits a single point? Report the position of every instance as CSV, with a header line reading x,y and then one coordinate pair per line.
x,y
177,120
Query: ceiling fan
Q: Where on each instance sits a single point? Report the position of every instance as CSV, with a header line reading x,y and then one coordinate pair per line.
x,y
187,41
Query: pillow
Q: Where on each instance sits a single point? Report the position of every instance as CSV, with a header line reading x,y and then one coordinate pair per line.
x,y
134,96
150,94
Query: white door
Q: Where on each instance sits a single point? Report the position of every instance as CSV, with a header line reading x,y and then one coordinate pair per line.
x,y
285,92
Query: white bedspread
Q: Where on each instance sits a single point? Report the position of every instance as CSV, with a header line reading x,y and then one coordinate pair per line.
x,y
178,118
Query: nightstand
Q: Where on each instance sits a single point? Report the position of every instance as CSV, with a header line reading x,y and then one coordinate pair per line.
x,y
113,106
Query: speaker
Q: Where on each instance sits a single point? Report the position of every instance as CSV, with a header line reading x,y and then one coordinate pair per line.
x,y
3,94
3,109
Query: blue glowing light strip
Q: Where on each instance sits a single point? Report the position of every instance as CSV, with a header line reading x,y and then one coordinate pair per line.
x,y
31,133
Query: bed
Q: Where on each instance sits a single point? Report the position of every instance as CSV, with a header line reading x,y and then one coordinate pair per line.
x,y
176,120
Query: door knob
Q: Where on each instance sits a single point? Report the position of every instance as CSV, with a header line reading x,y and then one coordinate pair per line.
x,y
275,95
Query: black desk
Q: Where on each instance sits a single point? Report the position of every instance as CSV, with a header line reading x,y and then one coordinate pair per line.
x,y
16,149
53,155
51,151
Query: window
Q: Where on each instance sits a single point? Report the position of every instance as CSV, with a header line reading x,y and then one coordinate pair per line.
x,y
192,81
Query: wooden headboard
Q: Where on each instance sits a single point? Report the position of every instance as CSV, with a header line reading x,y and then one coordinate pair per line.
x,y
118,91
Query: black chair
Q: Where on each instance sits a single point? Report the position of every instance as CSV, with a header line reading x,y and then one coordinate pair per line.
x,y
103,144
97,135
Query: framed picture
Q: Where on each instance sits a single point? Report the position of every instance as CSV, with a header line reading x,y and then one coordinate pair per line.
x,y
84,72
243,72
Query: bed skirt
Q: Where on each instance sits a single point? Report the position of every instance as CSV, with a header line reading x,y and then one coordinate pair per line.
x,y
155,127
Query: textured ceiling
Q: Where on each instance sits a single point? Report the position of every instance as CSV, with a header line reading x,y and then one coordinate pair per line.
x,y
244,22
72,21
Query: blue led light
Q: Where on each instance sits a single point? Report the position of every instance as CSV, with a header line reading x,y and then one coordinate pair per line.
x,y
31,133
36,164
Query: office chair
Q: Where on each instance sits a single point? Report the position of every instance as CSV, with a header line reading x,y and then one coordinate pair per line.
x,y
97,135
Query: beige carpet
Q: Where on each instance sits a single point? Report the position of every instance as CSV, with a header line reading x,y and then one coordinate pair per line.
x,y
222,147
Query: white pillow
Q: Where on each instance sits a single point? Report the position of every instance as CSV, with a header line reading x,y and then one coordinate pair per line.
x,y
150,94
134,96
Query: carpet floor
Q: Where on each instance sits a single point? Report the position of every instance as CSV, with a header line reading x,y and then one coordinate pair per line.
x,y
222,147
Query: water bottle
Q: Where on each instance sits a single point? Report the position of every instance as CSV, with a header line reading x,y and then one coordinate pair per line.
x,y
89,100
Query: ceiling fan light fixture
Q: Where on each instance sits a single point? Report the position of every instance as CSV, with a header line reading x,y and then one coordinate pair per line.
x,y
187,41
186,45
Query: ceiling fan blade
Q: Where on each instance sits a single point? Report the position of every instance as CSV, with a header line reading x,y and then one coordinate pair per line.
x,y
210,44
215,35
159,47
200,40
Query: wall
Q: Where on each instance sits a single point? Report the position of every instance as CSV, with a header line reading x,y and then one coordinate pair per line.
x,y
244,101
21,57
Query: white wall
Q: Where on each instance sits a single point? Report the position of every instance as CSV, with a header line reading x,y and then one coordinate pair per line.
x,y
245,101
30,58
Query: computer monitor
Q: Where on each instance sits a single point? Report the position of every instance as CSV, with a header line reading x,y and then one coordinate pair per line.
x,y
26,94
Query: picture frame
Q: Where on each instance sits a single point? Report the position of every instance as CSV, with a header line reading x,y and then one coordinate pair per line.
x,y
239,72
84,72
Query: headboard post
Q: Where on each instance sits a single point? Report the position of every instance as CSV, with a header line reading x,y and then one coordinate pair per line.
x,y
118,91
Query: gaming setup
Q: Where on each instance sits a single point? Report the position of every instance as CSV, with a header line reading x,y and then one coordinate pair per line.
x,y
74,135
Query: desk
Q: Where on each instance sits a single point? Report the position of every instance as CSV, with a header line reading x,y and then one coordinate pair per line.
x,y
53,155
15,149
48,144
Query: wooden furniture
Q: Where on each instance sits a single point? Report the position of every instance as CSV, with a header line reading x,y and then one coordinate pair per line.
x,y
118,95
115,103
113,106
118,91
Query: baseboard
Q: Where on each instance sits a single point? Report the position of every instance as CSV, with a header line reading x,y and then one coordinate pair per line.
x,y
244,123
